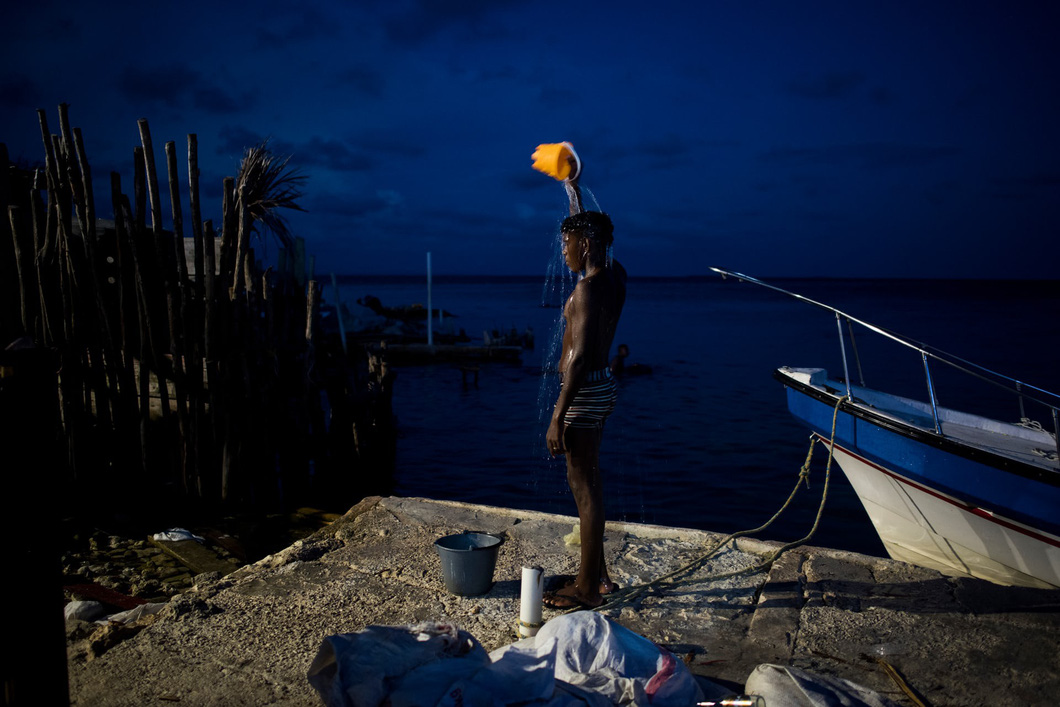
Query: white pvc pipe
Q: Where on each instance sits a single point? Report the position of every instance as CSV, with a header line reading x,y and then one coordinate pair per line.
x,y
530,601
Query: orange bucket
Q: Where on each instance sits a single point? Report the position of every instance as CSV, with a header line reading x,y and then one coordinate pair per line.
x,y
554,160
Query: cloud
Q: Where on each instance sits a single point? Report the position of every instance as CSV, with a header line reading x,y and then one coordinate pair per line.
x,y
569,98
331,154
176,85
20,92
328,153
355,206
867,155
302,24
165,85
830,87
664,152
417,21
213,100
388,145
363,78
233,140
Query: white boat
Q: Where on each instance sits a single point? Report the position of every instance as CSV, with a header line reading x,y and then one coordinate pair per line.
x,y
958,492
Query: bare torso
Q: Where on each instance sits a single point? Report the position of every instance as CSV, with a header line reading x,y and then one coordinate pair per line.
x,y
591,315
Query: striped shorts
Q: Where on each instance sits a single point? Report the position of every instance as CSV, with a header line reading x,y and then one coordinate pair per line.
x,y
594,401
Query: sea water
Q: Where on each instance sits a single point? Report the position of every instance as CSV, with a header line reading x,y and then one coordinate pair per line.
x,y
705,440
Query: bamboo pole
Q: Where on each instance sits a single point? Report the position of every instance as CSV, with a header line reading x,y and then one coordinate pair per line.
x,y
133,405
50,166
128,219
196,213
43,255
177,295
194,330
161,261
178,216
12,306
242,244
22,246
103,358
152,189
140,189
229,227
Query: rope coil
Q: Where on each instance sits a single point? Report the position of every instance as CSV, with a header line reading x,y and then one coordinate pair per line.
x,y
626,595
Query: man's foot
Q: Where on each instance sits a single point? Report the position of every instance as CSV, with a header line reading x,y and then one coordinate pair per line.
x,y
567,598
606,585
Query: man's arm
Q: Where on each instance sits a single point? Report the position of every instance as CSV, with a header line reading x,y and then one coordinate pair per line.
x,y
579,318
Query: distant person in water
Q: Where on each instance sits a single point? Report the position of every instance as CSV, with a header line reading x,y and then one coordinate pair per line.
x,y
618,363
587,394
619,366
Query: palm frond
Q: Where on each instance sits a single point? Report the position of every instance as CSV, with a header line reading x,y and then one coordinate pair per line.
x,y
268,185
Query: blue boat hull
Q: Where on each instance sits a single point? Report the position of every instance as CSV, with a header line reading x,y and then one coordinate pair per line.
x,y
936,500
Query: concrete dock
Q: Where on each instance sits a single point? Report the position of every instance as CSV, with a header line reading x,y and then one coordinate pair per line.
x,y
248,638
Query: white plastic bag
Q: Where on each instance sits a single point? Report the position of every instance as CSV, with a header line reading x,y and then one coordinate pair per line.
x,y
599,656
790,687
576,660
363,669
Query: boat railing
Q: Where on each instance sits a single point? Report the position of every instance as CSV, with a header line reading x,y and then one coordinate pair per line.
x,y
1022,390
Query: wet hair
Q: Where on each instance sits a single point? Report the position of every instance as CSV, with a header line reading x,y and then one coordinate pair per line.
x,y
595,225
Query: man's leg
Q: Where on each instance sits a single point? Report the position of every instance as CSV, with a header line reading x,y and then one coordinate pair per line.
x,y
583,476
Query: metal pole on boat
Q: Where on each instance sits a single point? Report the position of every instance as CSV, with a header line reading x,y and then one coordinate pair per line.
x,y
854,347
1056,433
430,310
843,350
931,393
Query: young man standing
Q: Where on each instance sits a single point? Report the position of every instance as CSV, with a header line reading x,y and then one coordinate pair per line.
x,y
587,395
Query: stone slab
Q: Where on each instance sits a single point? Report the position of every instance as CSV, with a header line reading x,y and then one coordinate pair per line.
x,y
249,638
195,557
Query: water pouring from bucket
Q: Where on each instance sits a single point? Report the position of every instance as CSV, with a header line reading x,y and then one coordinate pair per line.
x,y
558,160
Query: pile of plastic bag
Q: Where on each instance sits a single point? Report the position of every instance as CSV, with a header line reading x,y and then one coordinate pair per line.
x,y
577,659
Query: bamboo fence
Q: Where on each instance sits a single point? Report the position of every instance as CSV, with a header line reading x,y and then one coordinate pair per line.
x,y
217,389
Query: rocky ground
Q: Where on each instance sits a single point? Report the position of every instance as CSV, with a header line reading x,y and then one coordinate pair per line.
x,y
251,637
131,566
120,566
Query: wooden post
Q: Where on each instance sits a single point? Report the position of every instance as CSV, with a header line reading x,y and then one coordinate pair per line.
x,y
50,166
161,261
22,245
12,307
135,409
145,352
43,258
140,189
194,326
196,213
242,244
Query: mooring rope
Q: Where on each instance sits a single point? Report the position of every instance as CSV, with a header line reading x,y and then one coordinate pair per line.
x,y
624,596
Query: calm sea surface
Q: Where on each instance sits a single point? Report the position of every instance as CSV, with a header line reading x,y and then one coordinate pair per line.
x,y
704,441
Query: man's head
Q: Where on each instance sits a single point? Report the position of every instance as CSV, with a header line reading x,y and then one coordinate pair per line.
x,y
585,235
594,225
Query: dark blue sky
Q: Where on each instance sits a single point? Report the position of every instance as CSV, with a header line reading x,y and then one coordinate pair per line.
x,y
776,138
